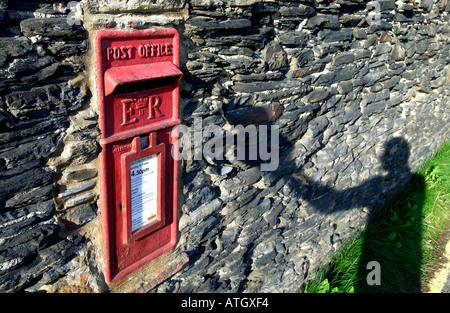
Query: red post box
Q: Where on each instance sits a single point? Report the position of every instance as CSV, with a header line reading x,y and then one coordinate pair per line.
x,y
137,82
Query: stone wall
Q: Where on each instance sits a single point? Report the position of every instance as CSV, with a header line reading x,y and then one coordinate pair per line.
x,y
355,90
48,137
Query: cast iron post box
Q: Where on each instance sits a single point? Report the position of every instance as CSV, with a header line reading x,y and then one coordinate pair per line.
x,y
137,80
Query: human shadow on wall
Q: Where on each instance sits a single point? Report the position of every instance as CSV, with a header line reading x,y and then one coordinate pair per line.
x,y
397,241
395,236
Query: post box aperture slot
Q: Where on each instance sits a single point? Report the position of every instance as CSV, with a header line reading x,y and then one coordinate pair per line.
x,y
143,174
140,77
145,85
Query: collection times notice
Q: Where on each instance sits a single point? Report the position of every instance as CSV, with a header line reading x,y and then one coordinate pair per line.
x,y
144,191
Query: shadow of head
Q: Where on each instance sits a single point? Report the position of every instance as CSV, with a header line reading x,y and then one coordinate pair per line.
x,y
395,156
369,193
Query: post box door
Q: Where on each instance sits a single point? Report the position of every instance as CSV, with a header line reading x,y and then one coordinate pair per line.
x,y
142,179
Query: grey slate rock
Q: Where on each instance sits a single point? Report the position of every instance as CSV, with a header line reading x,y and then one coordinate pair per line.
x,y
11,48
79,174
33,196
210,24
344,34
70,190
293,11
379,26
57,27
293,39
274,56
426,4
80,199
15,182
372,108
24,131
343,58
359,33
318,124
81,215
323,20
22,217
27,242
317,95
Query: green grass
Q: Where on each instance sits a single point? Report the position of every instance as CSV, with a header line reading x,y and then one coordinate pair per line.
x,y
402,238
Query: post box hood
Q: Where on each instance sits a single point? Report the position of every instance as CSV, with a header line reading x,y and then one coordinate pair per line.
x,y
119,76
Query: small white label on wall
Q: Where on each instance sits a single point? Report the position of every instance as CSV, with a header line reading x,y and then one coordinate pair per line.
x,y
144,191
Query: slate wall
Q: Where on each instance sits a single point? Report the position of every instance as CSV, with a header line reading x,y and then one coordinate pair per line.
x,y
44,114
355,92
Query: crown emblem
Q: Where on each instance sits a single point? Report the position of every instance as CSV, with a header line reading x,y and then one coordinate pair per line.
x,y
141,102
